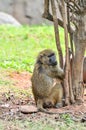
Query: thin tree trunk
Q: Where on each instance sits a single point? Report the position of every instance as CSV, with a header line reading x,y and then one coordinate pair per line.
x,y
70,58
46,6
57,37
66,84
77,72
80,46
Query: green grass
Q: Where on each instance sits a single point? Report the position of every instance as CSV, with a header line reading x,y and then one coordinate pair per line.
x,y
1,125
40,125
19,46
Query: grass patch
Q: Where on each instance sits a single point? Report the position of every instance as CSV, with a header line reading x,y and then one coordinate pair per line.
x,y
1,125
27,125
19,46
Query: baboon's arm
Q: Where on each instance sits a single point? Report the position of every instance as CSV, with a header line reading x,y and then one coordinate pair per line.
x,y
57,72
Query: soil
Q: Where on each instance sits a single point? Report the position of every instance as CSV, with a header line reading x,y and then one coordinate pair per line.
x,y
10,106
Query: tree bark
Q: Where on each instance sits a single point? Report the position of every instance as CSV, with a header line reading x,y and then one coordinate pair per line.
x,y
57,37
47,14
66,84
74,87
80,46
71,53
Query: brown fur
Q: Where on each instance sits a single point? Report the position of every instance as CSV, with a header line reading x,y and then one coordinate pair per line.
x,y
46,82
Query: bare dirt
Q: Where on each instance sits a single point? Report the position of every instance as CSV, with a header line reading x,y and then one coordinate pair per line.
x,y
10,106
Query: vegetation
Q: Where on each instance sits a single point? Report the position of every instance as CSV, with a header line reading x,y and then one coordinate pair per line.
x,y
20,46
18,50
67,123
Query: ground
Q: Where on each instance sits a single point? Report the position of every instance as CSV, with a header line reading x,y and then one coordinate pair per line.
x,y
19,95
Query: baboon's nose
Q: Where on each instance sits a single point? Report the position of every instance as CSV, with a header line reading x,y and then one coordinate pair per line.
x,y
54,63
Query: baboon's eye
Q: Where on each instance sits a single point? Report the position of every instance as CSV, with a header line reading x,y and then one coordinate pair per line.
x,y
52,54
52,59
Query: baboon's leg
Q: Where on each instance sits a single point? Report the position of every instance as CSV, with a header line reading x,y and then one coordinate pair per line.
x,y
57,95
39,104
60,96
40,107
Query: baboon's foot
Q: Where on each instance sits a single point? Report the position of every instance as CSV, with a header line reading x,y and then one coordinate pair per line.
x,y
48,105
59,105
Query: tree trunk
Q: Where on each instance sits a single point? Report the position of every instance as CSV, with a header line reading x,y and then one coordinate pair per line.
x,y
66,84
57,37
74,87
80,46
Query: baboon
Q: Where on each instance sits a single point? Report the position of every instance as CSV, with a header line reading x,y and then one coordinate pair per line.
x,y
47,81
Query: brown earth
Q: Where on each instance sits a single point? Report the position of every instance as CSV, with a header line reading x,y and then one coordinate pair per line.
x,y
10,106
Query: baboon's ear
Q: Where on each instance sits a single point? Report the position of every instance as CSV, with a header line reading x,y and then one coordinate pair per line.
x,y
41,55
39,59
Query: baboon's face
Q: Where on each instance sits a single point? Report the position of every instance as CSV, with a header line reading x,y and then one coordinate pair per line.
x,y
48,58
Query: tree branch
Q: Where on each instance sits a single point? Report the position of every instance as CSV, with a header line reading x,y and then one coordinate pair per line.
x,y
57,37
47,14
